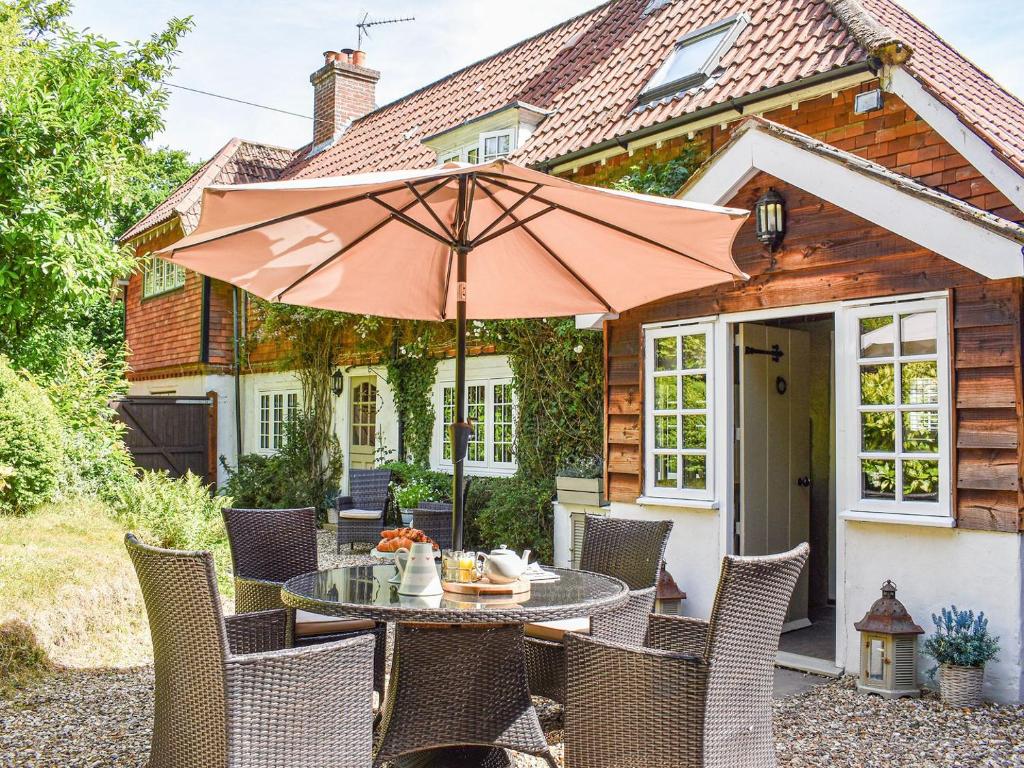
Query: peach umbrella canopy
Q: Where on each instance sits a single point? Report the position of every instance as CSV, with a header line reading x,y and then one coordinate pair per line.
x,y
385,243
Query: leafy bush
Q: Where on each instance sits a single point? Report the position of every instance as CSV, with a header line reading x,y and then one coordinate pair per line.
x,y
289,478
176,513
21,656
30,442
97,464
410,495
961,639
518,513
439,483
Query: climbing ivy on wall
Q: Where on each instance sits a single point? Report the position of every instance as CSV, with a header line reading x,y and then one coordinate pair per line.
x,y
660,178
411,372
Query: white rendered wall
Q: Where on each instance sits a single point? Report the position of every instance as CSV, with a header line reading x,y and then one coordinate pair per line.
x,y
563,534
933,567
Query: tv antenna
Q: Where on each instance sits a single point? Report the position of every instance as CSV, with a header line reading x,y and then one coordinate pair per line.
x,y
367,22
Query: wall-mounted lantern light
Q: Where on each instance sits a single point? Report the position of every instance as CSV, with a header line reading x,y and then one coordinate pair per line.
x,y
770,218
337,382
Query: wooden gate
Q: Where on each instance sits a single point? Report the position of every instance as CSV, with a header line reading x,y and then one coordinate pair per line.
x,y
176,434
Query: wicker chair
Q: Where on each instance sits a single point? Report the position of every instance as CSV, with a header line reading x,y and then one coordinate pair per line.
x,y
630,550
227,691
270,546
434,518
361,513
699,693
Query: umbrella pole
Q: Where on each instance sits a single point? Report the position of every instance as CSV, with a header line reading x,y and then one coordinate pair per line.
x,y
460,443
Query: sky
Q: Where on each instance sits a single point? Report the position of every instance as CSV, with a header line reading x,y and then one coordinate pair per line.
x,y
264,51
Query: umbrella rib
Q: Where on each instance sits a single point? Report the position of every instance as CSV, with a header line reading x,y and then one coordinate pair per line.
x,y
432,212
516,224
303,212
506,214
552,254
344,249
613,227
399,215
447,282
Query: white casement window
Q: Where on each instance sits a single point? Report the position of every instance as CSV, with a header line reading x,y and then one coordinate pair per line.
x,y
678,408
490,406
276,409
495,144
893,408
467,154
160,276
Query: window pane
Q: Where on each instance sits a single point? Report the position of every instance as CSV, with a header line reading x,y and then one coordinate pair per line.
x,y
877,386
920,480
695,431
665,396
665,354
502,423
473,155
691,57
666,471
878,431
877,337
265,422
921,432
476,412
666,432
878,478
917,334
447,417
695,391
695,474
920,383
694,351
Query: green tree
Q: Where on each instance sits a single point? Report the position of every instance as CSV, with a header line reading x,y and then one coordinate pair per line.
x,y
76,112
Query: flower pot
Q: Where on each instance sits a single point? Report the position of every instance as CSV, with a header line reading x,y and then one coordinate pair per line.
x,y
406,517
588,491
961,686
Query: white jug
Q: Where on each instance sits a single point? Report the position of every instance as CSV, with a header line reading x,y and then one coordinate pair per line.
x,y
417,570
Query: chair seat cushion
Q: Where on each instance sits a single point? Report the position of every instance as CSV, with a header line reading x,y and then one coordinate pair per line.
x,y
312,624
554,631
360,514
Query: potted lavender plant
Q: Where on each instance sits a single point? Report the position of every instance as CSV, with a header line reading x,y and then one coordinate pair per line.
x,y
961,645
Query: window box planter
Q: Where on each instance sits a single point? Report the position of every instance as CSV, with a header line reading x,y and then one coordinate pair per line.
x,y
588,491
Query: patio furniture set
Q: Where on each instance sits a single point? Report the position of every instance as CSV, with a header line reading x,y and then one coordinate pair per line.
x,y
289,680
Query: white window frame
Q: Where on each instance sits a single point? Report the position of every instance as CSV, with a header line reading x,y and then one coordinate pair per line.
x,y
651,334
489,464
848,410
275,429
160,276
510,132
658,87
459,155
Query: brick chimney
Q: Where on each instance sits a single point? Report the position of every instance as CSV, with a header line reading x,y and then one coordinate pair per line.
x,y
343,89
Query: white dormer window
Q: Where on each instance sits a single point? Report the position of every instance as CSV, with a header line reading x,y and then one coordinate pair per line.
x,y
495,144
467,154
695,58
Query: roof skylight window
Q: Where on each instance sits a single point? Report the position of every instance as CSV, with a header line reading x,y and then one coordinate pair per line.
x,y
695,58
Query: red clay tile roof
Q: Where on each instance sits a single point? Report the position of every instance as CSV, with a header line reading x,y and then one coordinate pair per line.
x,y
590,70
237,162
996,115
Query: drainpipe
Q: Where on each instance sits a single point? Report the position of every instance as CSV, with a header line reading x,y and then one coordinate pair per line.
x,y
238,375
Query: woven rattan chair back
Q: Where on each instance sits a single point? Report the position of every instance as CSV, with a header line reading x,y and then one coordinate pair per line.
x,y
271,544
630,550
434,518
369,488
743,637
189,649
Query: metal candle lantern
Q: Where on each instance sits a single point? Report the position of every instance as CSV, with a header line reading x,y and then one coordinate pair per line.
x,y
770,218
888,648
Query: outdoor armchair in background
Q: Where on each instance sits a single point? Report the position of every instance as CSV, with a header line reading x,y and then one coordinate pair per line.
x,y
227,690
699,693
630,550
434,518
270,546
361,513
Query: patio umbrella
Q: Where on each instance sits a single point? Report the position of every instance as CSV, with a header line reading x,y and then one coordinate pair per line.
x,y
488,241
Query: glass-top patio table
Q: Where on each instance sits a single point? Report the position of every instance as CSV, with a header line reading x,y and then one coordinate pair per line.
x,y
458,684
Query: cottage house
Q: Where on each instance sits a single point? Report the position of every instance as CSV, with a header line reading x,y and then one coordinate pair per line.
x,y
862,390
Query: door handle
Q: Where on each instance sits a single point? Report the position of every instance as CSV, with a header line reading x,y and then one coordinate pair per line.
x,y
804,482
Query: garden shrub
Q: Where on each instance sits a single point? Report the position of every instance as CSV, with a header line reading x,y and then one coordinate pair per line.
x,y
30,442
517,513
176,513
439,483
21,655
96,461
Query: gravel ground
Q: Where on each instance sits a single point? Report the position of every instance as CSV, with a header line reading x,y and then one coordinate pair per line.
x,y
101,719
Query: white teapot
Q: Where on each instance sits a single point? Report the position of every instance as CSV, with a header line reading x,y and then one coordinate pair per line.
x,y
503,566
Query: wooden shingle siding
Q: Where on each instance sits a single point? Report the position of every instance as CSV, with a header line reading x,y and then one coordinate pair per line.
x,y
831,255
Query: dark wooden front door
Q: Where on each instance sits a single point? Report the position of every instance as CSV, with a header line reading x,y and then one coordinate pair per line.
x,y
169,433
